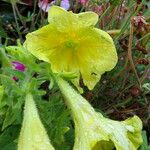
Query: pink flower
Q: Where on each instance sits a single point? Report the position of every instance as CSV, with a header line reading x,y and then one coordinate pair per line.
x,y
45,5
82,1
18,66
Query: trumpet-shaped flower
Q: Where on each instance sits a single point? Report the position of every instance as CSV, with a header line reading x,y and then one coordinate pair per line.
x,y
95,132
71,43
33,135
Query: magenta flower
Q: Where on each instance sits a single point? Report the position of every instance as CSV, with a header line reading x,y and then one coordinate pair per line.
x,y
65,4
18,66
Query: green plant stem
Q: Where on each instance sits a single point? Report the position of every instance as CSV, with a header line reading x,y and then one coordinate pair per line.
x,y
147,35
17,24
36,19
19,15
34,9
145,74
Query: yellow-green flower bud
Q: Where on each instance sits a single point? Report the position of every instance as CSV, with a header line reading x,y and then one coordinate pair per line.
x,y
33,135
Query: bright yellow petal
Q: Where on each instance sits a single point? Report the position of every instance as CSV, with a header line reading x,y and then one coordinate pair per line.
x,y
63,20
42,42
88,18
55,12
98,55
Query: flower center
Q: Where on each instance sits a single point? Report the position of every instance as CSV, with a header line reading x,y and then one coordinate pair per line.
x,y
71,44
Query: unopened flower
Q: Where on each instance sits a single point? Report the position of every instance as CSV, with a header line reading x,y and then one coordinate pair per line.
x,y
18,66
70,43
65,4
33,135
95,132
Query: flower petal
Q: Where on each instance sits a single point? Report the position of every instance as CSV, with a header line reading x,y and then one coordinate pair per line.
x,y
63,20
98,55
66,21
41,42
88,18
55,12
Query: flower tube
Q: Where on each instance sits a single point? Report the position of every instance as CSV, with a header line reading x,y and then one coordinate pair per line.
x,y
95,132
33,135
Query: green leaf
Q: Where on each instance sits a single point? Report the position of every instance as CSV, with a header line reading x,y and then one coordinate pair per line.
x,y
2,32
1,92
2,102
8,137
13,115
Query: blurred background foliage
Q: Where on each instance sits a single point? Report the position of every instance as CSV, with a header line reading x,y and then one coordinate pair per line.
x,y
121,93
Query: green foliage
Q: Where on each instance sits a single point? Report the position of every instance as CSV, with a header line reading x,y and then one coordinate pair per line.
x,y
115,2
145,145
52,110
8,138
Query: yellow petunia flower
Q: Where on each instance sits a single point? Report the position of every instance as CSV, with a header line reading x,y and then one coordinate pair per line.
x,y
33,135
95,132
71,43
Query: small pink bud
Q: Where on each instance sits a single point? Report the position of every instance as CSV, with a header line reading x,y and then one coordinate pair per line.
x,y
18,66
15,78
45,4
